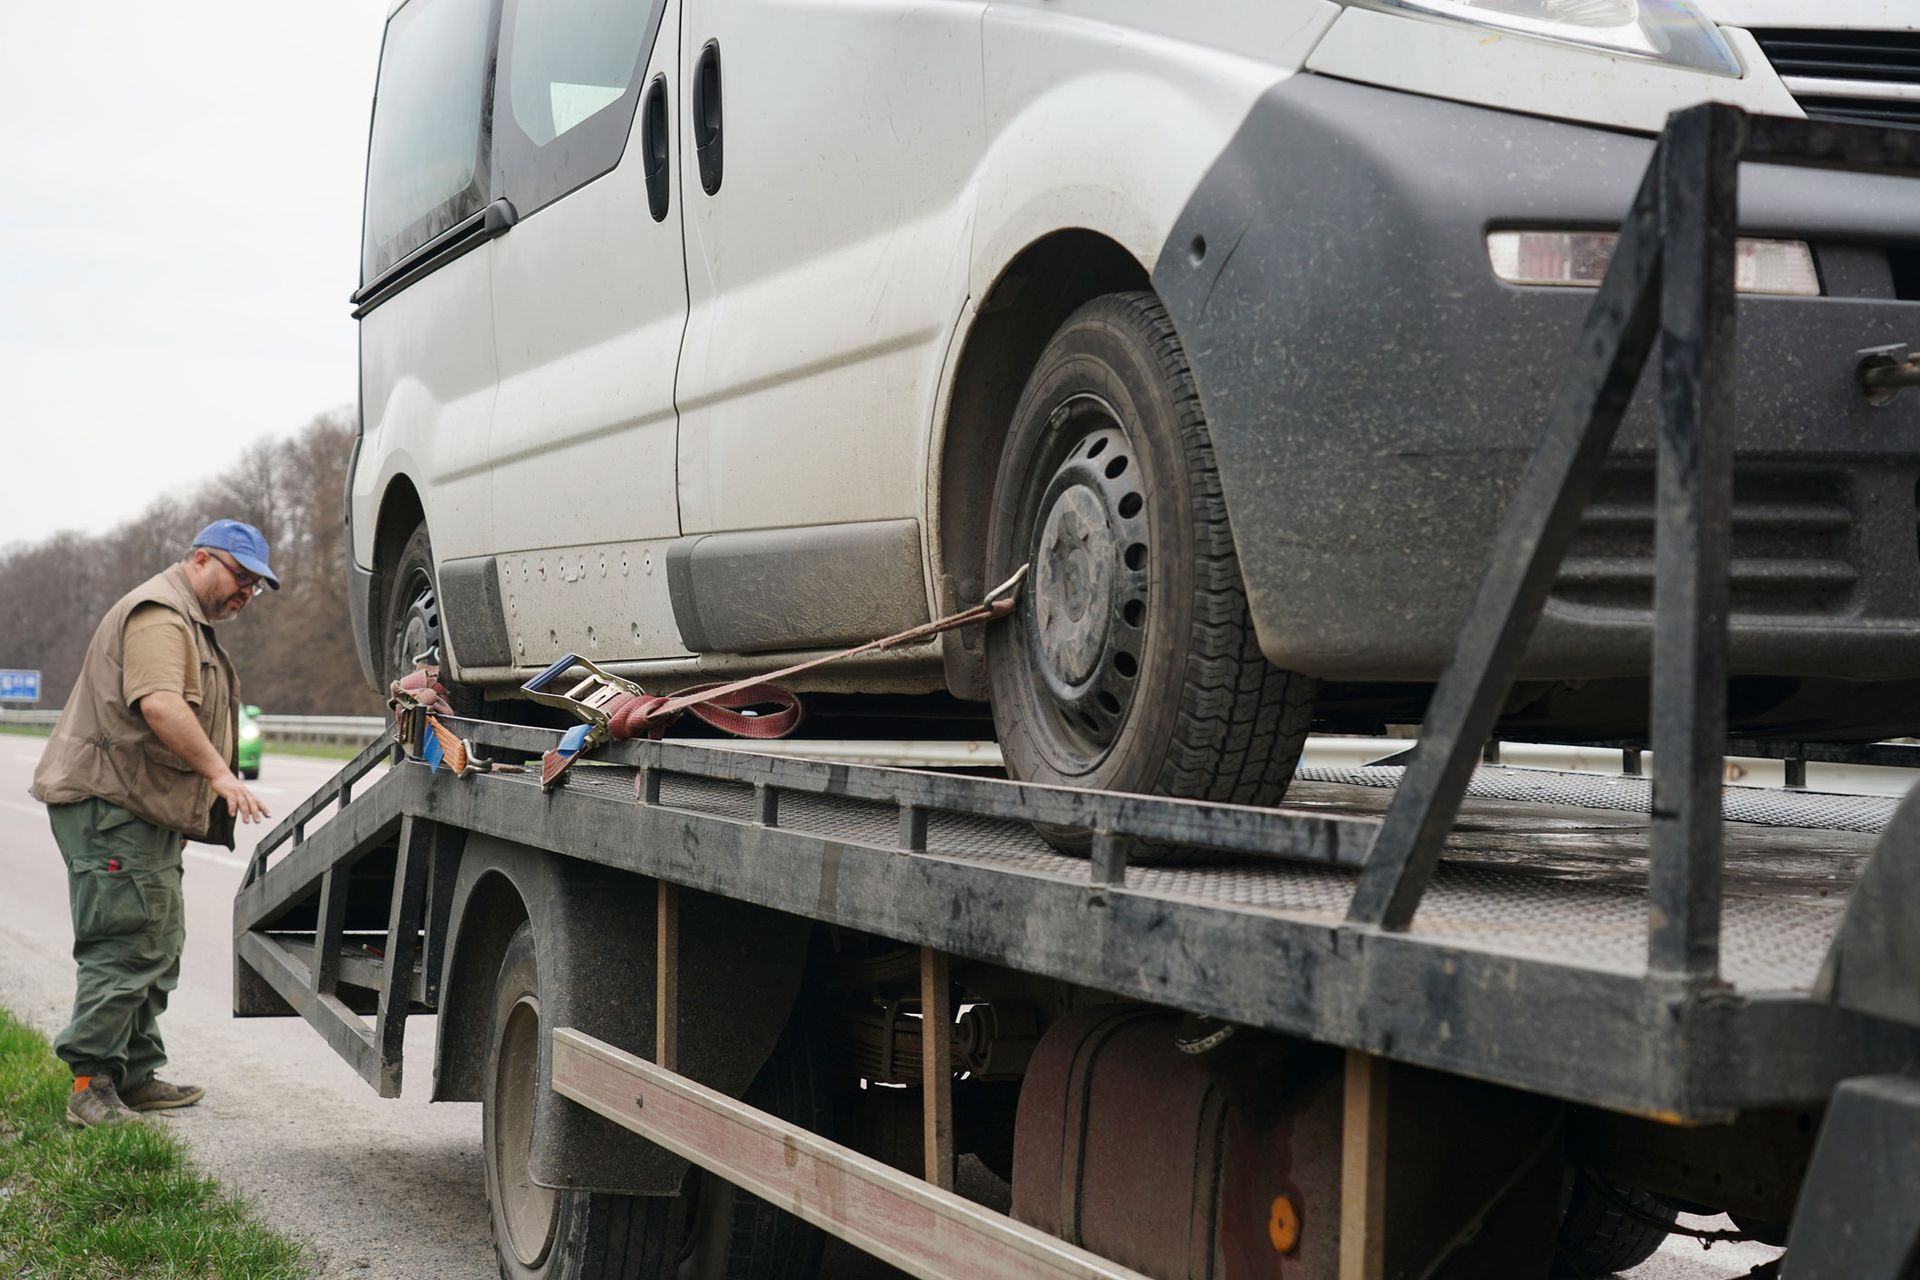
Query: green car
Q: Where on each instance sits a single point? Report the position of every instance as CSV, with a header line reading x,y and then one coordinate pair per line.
x,y
249,750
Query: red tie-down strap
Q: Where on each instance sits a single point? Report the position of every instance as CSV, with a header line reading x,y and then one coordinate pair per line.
x,y
420,687
720,705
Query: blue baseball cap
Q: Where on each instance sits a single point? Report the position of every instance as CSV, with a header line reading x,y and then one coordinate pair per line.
x,y
243,542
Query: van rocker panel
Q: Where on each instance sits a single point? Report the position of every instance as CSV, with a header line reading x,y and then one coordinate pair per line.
x,y
812,587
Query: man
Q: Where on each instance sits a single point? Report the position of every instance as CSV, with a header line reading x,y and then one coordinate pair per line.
x,y
142,760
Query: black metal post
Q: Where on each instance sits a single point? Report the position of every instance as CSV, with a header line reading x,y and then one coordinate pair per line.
x,y
1540,525
1699,170
412,861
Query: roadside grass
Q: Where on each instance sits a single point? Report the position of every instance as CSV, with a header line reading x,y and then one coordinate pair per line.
x,y
120,1203
315,749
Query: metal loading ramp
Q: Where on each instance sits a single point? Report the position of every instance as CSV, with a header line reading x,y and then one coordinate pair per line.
x,y
1525,964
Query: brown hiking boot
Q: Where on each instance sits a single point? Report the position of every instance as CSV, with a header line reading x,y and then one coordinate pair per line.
x,y
98,1104
157,1095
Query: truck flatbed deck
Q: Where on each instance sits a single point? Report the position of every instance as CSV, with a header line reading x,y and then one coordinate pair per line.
x,y
1525,964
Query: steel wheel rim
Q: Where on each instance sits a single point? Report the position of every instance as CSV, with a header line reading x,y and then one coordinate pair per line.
x,y
527,1208
417,638
1084,619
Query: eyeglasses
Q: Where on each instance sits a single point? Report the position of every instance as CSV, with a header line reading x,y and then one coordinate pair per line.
x,y
251,583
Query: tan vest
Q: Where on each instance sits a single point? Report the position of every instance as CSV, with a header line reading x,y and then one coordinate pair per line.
x,y
103,748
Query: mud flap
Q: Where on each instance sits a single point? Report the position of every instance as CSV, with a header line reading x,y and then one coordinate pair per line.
x,y
1856,1219
594,936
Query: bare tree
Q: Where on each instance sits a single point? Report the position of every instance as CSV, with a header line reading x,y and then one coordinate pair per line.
x,y
294,647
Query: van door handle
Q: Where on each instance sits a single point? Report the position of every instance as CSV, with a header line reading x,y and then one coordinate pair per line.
x,y
654,148
706,115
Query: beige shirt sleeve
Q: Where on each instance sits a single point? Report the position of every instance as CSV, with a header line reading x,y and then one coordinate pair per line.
x,y
158,655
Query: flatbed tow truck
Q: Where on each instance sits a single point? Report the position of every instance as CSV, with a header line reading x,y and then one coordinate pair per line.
x,y
1440,1019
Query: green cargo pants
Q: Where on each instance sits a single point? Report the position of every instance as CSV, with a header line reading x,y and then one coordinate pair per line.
x,y
129,922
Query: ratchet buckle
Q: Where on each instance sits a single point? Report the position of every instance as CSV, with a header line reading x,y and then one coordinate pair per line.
x,y
586,698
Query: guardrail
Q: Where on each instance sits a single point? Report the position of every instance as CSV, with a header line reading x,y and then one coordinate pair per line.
x,y
334,731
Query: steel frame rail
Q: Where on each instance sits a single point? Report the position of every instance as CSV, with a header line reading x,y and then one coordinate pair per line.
x,y
1671,274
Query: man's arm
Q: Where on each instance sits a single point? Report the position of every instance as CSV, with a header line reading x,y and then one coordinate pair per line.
x,y
174,723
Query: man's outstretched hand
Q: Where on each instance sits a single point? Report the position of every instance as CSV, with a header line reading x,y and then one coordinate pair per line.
x,y
241,804
173,722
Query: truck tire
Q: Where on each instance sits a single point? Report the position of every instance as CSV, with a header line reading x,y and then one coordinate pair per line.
x,y
410,621
712,1232
1130,662
1608,1229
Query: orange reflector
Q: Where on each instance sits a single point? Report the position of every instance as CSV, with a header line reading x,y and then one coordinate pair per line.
x,y
1283,1225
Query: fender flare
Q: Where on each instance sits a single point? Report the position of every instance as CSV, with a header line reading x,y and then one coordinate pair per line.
x,y
594,937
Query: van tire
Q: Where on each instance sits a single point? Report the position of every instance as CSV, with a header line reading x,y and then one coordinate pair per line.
x,y
1130,662
410,622
712,1231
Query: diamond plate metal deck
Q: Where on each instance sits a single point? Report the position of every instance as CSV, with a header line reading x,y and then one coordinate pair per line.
x,y
1541,865
1763,806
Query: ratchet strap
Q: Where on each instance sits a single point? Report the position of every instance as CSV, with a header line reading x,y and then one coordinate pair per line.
x,y
757,707
420,691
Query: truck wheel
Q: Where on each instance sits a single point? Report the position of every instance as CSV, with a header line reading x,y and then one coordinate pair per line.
x,y
1130,663
1608,1229
711,1232
410,621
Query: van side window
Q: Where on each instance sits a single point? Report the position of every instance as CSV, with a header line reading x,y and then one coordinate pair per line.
x,y
426,158
570,73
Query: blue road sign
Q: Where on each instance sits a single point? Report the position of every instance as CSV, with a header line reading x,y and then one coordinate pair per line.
x,y
19,686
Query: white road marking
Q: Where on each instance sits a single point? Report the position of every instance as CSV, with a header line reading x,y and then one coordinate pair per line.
x,y
238,864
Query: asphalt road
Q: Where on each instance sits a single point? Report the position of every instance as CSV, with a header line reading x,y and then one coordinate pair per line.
x,y
381,1190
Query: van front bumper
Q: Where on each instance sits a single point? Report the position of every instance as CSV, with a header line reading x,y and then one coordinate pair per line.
x,y
1374,392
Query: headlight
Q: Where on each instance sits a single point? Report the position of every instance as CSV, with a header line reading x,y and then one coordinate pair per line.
x,y
249,733
1671,31
1580,258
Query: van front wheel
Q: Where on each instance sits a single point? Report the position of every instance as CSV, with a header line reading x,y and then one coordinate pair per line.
x,y
1130,662
410,632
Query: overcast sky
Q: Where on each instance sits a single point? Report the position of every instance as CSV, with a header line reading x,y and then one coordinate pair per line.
x,y
179,218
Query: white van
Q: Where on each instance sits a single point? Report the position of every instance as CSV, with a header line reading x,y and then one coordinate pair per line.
x,y
700,334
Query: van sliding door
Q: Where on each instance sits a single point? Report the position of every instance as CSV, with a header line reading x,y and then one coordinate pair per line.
x,y
827,267
589,305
